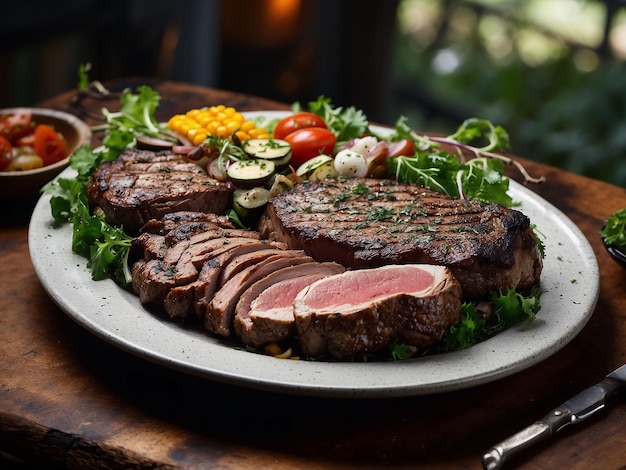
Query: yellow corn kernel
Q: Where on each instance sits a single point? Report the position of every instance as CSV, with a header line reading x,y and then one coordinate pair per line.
x,y
199,138
238,117
257,133
221,121
221,131
273,349
241,135
232,126
247,125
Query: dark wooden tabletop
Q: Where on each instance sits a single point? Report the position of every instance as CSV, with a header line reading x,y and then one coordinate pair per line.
x,y
70,400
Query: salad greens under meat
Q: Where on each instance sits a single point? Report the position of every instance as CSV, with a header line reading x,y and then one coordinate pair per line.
x,y
466,164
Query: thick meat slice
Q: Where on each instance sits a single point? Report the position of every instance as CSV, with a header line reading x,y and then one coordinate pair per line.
x,y
363,223
182,301
361,311
175,219
220,310
180,265
264,313
141,185
147,246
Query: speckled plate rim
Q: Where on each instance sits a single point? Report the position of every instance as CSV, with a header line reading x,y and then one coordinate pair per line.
x,y
570,279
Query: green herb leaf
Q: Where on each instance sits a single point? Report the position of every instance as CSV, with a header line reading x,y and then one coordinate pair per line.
x,y
614,231
346,123
509,308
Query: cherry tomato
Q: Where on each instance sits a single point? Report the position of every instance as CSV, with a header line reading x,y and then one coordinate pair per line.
x,y
49,145
297,121
404,147
16,125
6,151
310,142
26,141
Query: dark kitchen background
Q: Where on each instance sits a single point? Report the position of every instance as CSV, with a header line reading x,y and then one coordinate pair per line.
x,y
551,72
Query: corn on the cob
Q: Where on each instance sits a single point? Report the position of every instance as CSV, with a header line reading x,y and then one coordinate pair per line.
x,y
219,121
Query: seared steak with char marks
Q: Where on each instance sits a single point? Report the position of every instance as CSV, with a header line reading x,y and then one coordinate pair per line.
x,y
362,311
141,185
364,223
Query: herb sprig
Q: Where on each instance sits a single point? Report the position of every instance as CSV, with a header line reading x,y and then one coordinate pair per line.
x,y
614,231
106,247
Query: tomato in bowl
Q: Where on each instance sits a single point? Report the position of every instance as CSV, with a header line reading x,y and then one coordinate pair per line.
x,y
41,142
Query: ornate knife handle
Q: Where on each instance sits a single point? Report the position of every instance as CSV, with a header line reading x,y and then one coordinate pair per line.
x,y
573,411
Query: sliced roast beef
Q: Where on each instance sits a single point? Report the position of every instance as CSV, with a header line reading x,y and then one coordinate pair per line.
x,y
184,300
362,311
147,246
220,310
364,223
180,265
141,185
264,312
173,220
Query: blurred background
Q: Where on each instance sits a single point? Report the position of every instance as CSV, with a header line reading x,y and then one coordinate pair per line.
x,y
551,72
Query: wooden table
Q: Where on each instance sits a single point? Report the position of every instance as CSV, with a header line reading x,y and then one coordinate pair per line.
x,y
74,401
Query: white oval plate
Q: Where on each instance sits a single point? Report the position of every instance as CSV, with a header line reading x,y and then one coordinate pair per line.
x,y
570,279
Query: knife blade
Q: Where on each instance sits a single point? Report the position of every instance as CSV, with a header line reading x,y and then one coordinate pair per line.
x,y
573,411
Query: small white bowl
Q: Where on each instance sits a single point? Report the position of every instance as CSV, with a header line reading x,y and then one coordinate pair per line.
x,y
22,185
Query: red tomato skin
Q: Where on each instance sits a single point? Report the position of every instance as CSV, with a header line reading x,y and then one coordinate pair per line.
x,y
16,125
49,145
310,142
297,121
5,153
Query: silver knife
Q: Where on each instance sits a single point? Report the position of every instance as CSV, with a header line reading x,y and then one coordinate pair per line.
x,y
573,411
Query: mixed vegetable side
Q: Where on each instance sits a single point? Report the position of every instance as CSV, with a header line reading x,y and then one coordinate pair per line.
x,y
324,141
262,158
27,145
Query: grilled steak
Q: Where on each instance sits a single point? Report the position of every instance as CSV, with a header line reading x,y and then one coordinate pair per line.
x,y
264,313
364,223
359,312
141,185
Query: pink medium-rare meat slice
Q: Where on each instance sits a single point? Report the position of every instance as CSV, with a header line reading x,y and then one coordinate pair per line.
x,y
363,223
211,277
362,311
264,312
220,310
141,185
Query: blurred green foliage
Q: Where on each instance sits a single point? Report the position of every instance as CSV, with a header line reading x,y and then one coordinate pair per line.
x,y
555,112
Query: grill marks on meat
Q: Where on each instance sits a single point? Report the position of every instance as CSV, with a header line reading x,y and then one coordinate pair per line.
x,y
364,223
174,271
237,283
142,185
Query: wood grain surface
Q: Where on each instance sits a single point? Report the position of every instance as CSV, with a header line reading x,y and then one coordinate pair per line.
x,y
70,400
